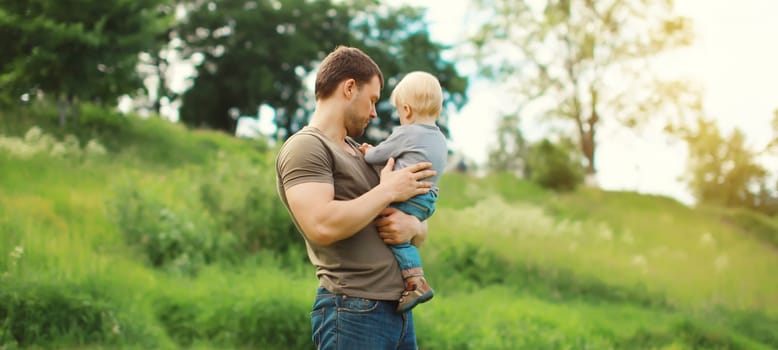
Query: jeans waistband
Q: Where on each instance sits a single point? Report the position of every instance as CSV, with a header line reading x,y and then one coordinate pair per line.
x,y
322,293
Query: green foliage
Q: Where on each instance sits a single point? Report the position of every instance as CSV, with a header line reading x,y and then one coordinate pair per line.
x,y
256,54
755,325
225,320
88,54
510,153
753,223
472,265
724,171
234,213
555,165
40,314
150,142
240,194
694,334
35,143
168,239
96,121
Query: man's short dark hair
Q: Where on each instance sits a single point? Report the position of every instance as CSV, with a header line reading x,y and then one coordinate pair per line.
x,y
345,63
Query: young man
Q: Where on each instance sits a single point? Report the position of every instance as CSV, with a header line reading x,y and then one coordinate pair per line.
x,y
334,198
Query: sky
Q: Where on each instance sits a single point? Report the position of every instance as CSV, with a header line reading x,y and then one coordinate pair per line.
x,y
734,59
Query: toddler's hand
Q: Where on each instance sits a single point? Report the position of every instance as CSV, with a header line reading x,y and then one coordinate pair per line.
x,y
364,147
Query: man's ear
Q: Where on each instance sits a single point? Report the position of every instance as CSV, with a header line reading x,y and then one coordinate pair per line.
x,y
349,85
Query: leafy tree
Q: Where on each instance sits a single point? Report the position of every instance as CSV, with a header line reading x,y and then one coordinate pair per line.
x,y
75,50
260,52
510,153
581,62
255,52
555,165
723,170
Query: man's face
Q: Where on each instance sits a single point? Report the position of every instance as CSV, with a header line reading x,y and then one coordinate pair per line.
x,y
361,107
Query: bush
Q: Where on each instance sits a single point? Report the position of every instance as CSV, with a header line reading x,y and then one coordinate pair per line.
x,y
37,314
755,325
694,334
55,314
36,142
753,223
171,240
474,266
555,166
240,194
99,122
233,320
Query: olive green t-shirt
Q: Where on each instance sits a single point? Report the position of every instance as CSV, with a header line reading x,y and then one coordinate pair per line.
x,y
361,265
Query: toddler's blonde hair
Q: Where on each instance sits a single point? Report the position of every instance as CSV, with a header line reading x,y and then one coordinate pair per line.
x,y
421,91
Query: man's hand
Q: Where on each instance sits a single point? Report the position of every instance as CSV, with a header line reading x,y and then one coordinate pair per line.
x,y
396,227
406,182
364,147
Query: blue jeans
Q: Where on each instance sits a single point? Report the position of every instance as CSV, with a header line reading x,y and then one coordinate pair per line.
x,y
422,207
344,323
407,255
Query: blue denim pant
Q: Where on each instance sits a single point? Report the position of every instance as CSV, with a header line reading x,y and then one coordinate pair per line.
x,y
344,323
422,207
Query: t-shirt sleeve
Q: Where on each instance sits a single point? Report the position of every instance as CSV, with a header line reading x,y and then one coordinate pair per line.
x,y
391,147
304,159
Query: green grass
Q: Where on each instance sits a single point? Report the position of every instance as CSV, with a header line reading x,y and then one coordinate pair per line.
x,y
667,249
513,265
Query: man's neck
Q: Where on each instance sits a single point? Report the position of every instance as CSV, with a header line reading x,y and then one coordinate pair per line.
x,y
330,123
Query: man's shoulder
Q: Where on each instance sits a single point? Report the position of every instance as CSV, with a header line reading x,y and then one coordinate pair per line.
x,y
304,156
301,148
303,138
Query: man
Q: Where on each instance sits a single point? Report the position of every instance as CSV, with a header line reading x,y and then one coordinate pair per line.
x,y
334,198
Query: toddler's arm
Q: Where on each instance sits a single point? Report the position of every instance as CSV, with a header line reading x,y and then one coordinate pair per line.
x,y
364,147
381,153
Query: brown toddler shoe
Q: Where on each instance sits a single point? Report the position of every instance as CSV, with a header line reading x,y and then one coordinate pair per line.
x,y
415,294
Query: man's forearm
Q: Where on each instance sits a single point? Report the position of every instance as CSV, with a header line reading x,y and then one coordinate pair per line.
x,y
342,219
327,221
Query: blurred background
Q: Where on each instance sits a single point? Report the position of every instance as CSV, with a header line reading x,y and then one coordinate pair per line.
x,y
612,179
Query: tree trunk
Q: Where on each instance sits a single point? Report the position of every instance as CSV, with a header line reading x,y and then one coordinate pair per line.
x,y
587,147
73,102
62,106
162,84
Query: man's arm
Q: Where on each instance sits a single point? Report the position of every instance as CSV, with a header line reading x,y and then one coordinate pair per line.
x,y
325,220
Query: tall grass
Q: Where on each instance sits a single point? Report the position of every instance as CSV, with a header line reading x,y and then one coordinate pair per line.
x,y
681,254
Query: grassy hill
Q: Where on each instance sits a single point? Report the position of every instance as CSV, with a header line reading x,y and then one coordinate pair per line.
x,y
154,236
